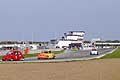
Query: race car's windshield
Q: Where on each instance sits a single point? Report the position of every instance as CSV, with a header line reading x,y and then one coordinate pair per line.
x,y
46,52
93,49
9,52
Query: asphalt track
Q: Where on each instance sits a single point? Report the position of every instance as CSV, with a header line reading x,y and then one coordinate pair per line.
x,y
69,55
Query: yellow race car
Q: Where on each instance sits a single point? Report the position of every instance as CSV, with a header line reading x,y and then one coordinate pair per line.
x,y
46,55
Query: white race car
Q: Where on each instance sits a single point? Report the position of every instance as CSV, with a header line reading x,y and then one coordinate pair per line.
x,y
94,52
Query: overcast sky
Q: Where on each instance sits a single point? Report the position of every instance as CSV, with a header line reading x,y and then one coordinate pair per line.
x,y
48,19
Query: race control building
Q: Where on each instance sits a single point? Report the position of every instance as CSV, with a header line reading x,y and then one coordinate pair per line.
x,y
71,39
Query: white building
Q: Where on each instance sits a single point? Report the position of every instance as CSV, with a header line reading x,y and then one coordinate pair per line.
x,y
72,37
96,39
32,46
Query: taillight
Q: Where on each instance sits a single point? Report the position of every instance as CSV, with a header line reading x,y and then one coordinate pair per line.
x,y
15,56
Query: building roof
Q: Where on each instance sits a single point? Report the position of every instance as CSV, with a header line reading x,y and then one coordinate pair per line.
x,y
74,35
77,31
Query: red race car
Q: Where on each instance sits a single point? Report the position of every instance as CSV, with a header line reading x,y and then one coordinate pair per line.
x,y
13,55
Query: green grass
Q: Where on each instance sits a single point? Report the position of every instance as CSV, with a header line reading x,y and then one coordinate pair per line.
x,y
115,54
30,55
58,52
35,54
1,57
75,49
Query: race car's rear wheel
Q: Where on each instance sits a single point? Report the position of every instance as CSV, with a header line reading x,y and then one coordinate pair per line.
x,y
3,60
11,59
22,59
97,53
90,53
53,57
38,58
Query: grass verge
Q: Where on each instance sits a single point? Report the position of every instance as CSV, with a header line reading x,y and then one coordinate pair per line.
x,y
35,54
115,54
